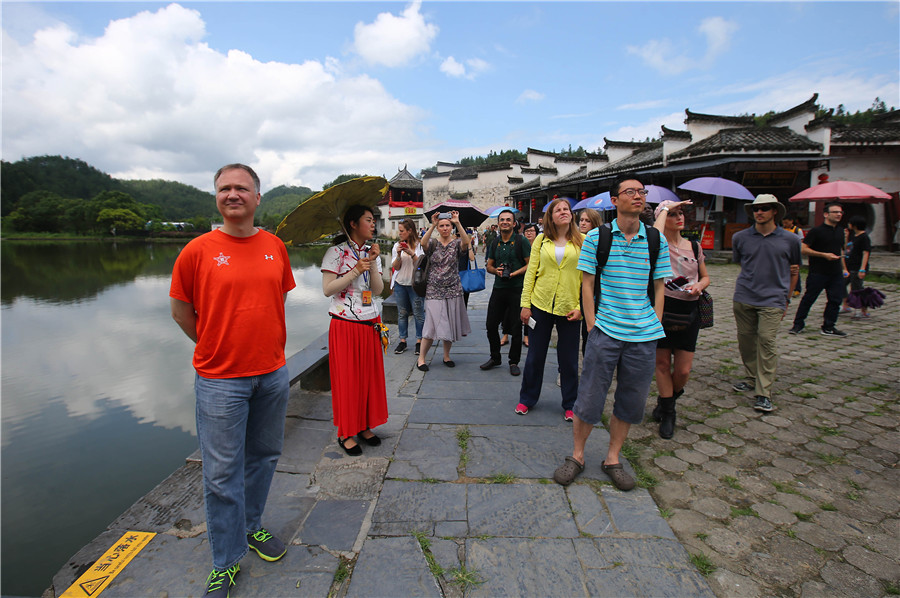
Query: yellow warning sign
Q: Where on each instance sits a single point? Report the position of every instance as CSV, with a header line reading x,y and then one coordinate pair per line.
x,y
110,564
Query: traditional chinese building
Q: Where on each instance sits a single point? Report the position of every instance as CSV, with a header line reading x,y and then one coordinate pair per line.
x,y
403,200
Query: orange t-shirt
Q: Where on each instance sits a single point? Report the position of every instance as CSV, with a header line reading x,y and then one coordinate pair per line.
x,y
237,286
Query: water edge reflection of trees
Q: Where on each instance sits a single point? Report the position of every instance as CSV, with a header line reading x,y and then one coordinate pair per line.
x,y
70,271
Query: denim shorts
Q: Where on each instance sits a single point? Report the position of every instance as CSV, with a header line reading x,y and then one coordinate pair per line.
x,y
633,365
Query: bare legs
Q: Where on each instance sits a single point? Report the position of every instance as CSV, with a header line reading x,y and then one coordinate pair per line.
x,y
618,432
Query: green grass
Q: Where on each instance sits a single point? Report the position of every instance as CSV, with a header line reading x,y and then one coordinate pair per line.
x,y
701,535
786,488
802,516
464,578
731,482
501,478
431,480
668,453
736,512
725,431
891,588
854,485
666,513
425,544
544,481
791,533
703,564
340,576
806,395
876,388
850,399
644,479
830,459
827,506
826,431
462,439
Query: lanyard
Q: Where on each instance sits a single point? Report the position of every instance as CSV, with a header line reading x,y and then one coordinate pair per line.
x,y
356,254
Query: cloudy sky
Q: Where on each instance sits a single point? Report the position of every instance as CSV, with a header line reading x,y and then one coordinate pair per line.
x,y
306,91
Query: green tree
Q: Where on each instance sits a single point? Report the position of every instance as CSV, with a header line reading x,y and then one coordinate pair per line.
x,y
342,179
119,220
38,211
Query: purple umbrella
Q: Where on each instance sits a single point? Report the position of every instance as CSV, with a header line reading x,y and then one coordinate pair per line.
x,y
718,186
657,194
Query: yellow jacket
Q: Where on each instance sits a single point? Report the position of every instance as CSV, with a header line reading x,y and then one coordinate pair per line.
x,y
551,287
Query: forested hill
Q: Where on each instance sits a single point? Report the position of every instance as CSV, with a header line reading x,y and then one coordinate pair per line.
x,y
75,179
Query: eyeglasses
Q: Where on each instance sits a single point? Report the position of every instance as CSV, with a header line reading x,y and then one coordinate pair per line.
x,y
762,208
629,193
835,212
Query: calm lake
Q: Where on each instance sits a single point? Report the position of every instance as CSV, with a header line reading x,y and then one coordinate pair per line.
x,y
97,389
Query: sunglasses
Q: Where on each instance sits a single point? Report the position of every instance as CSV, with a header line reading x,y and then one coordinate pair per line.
x,y
762,208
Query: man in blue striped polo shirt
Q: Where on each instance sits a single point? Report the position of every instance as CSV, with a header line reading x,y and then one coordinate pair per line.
x,y
624,329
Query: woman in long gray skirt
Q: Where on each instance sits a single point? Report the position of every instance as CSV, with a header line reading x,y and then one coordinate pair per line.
x,y
445,311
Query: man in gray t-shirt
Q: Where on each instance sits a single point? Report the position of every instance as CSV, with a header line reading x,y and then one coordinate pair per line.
x,y
769,258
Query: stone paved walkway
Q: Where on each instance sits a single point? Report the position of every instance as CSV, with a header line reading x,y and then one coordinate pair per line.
x,y
804,501
458,500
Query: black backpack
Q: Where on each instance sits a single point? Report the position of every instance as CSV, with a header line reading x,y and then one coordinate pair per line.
x,y
420,275
604,243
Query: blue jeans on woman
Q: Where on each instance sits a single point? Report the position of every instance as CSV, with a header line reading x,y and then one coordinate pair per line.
x,y
409,302
568,334
240,425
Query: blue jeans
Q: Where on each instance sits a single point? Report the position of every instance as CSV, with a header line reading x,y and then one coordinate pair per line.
x,y
408,301
240,425
566,354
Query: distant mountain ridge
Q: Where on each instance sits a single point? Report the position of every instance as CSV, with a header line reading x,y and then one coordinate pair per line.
x,y
75,179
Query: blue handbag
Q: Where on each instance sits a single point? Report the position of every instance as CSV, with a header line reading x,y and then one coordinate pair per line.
x,y
473,278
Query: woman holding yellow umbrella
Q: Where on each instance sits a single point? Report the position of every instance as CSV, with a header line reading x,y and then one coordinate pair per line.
x,y
351,276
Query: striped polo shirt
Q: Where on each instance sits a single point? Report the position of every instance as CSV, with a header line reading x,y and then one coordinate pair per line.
x,y
625,312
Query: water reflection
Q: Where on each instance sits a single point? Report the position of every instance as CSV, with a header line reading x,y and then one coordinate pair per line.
x,y
97,389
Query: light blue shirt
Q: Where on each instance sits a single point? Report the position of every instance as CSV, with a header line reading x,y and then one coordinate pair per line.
x,y
624,311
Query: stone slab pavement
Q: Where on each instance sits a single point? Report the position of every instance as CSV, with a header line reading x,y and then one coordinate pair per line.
x,y
459,500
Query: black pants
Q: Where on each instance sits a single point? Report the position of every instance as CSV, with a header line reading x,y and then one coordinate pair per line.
x,y
833,284
504,308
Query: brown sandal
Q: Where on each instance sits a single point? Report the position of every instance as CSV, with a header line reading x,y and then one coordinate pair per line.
x,y
566,473
616,473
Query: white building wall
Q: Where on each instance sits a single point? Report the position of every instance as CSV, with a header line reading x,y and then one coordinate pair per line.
x,y
877,169
701,130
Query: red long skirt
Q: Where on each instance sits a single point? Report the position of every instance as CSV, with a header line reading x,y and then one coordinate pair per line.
x,y
356,363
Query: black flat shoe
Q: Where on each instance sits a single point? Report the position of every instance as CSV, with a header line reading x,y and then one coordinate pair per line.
x,y
353,451
372,440
450,363
422,367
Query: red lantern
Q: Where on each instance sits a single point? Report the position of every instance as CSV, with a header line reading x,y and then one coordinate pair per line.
x,y
533,203
823,178
584,195
520,204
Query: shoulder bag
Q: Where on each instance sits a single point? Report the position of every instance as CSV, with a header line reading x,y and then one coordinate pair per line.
x,y
473,278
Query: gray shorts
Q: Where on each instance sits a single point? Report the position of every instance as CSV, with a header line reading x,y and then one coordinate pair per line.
x,y
633,364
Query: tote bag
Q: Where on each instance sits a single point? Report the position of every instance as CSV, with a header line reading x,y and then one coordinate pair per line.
x,y
473,278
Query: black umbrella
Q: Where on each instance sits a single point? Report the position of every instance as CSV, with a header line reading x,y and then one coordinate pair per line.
x,y
469,215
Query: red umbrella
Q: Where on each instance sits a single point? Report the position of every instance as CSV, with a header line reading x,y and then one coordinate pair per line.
x,y
844,191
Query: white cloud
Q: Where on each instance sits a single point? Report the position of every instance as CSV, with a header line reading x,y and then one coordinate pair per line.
x,y
150,99
649,128
644,105
668,59
452,68
529,95
394,40
471,69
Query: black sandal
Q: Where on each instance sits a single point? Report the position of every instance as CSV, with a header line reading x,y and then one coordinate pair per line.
x,y
372,440
353,451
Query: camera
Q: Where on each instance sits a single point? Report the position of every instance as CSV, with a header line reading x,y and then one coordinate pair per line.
x,y
445,216
505,271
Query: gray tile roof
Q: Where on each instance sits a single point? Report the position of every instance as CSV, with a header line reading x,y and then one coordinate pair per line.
x,y
534,183
866,134
646,157
668,133
807,106
748,139
732,120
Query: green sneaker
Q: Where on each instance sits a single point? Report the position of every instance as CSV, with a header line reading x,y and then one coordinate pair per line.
x,y
218,584
268,547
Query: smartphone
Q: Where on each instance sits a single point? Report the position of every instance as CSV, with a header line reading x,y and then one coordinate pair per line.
x,y
445,216
403,245
532,323
677,283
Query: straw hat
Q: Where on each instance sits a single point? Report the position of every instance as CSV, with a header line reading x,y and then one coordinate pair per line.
x,y
765,199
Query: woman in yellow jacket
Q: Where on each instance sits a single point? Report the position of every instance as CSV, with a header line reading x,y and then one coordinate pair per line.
x,y
551,297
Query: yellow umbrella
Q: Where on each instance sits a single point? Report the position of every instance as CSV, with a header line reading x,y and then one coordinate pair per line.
x,y
321,213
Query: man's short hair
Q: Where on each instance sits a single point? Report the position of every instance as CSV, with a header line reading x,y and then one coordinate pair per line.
x,y
858,222
831,204
614,188
508,210
237,166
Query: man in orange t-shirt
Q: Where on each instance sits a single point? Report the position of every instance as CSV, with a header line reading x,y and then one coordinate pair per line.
x,y
227,294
